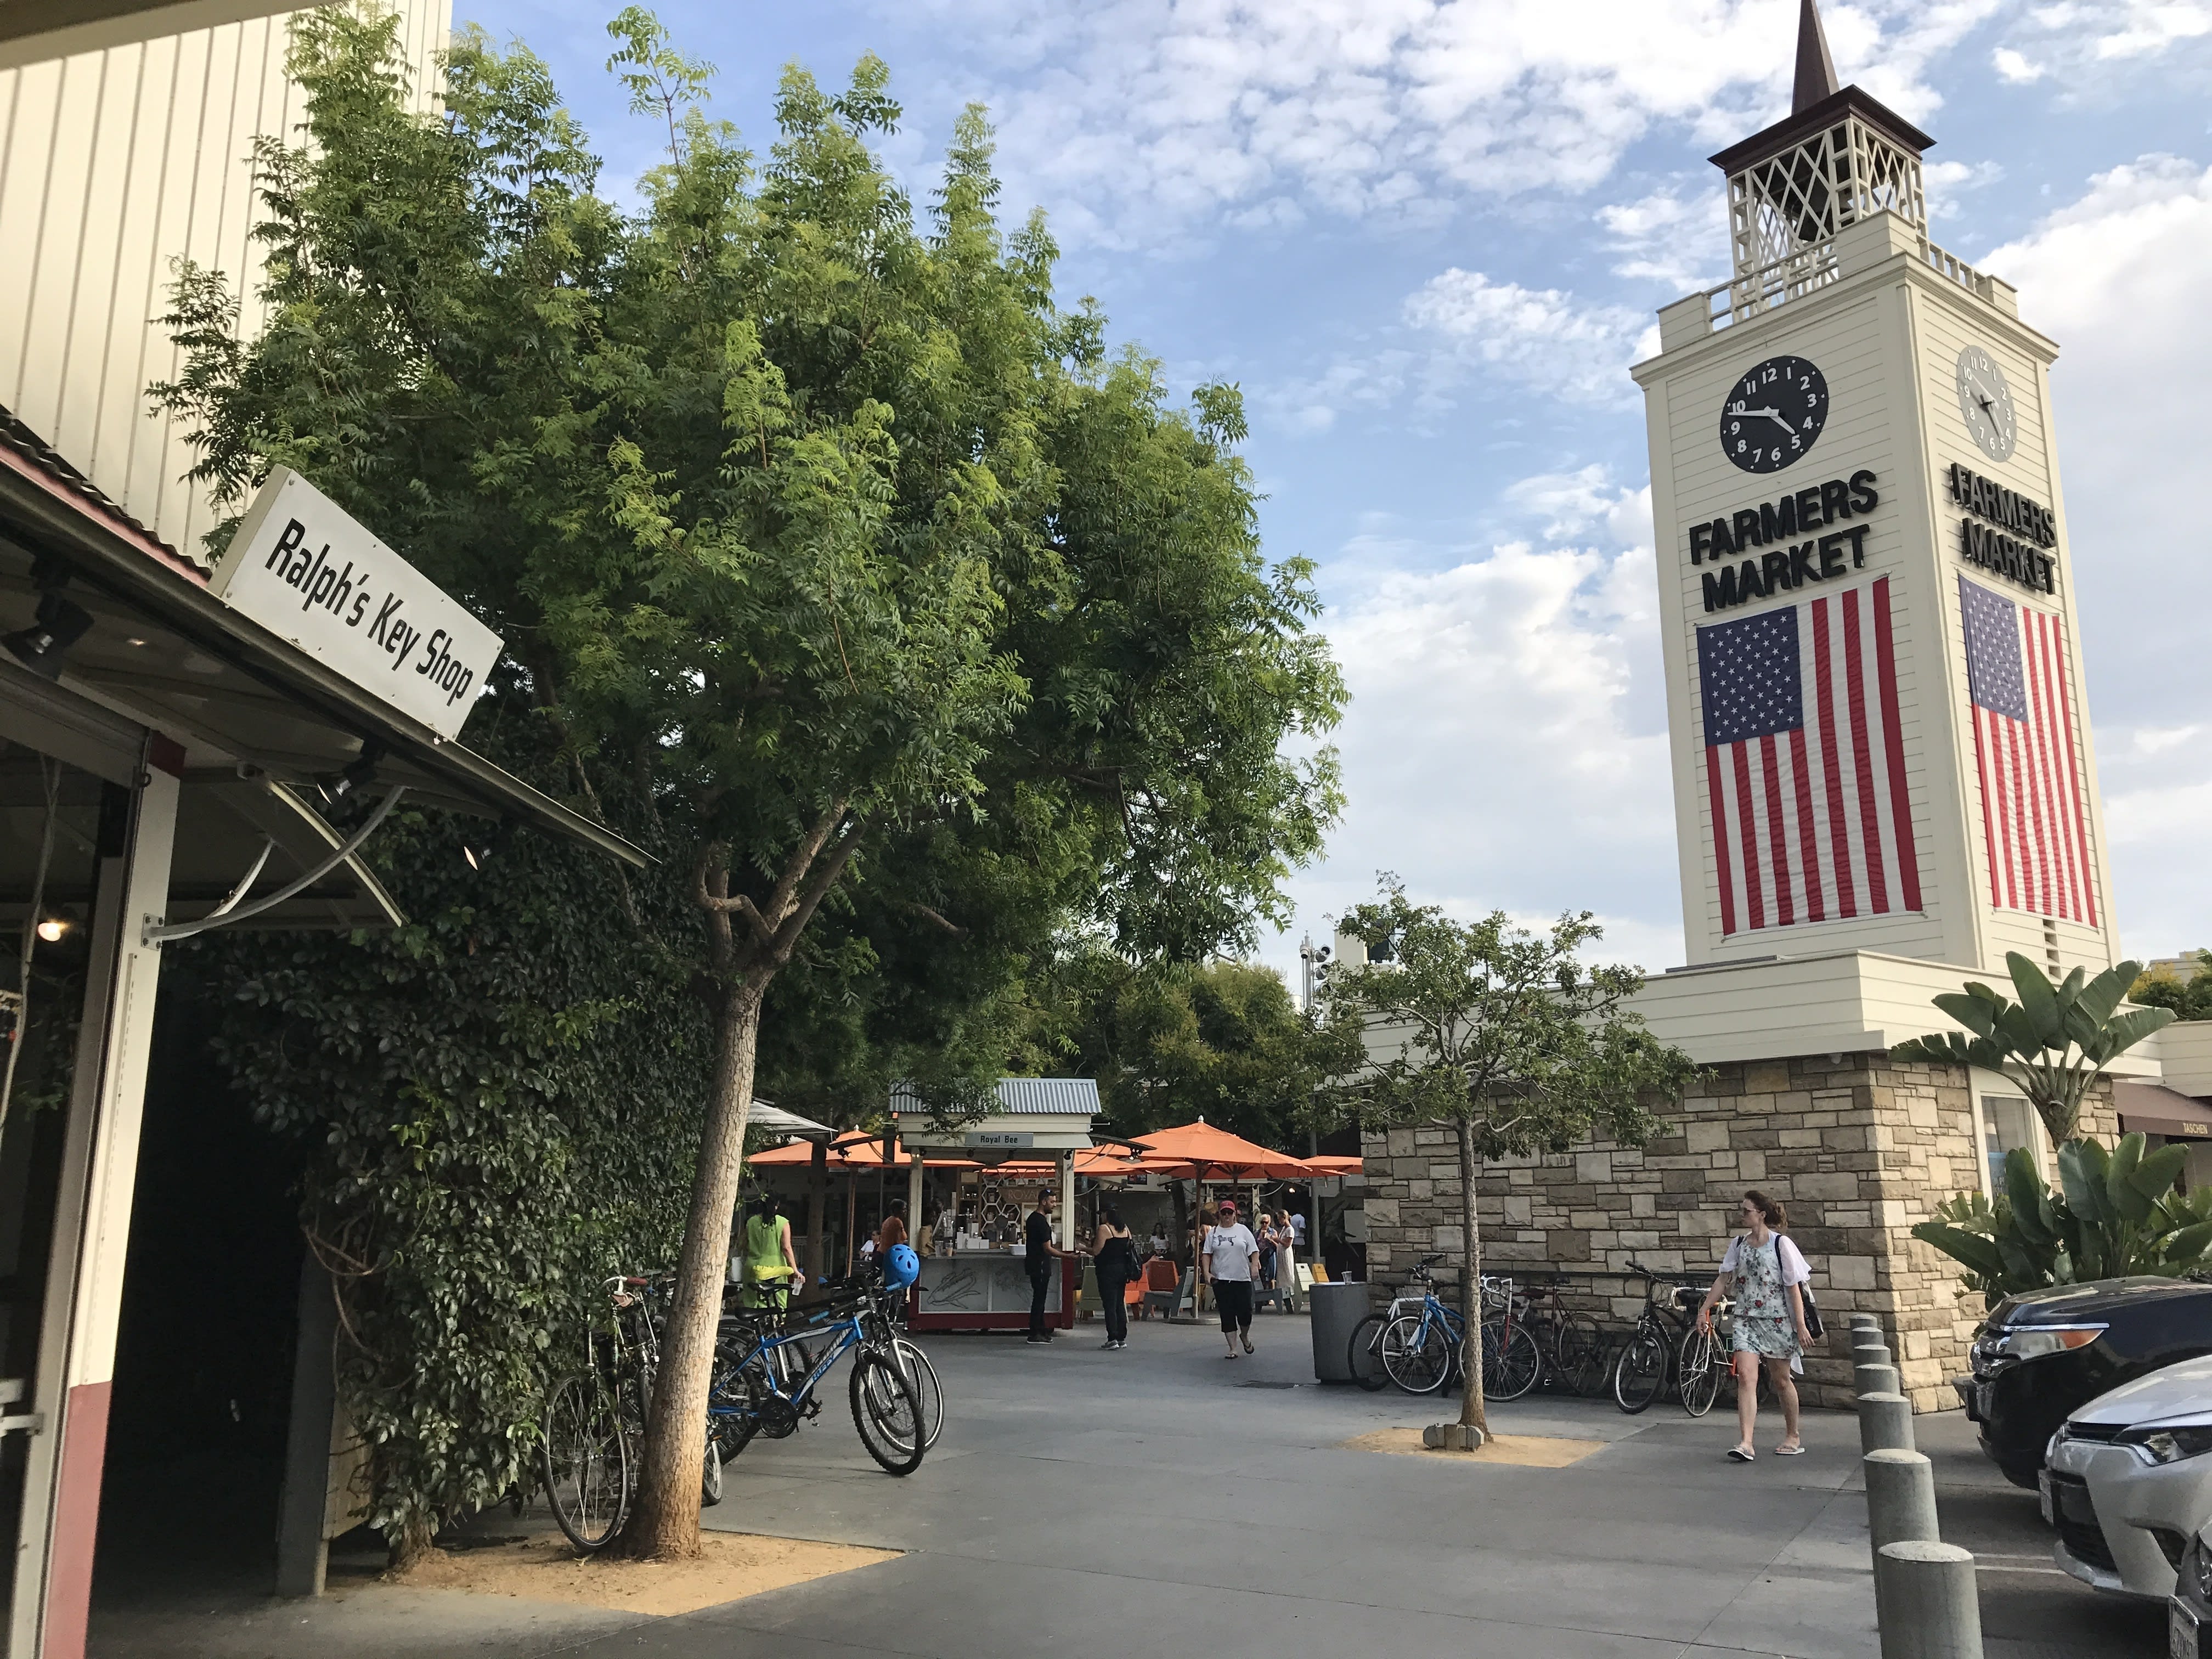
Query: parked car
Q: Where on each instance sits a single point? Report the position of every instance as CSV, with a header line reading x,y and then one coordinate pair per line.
x,y
2189,1611
2041,1355
2128,1480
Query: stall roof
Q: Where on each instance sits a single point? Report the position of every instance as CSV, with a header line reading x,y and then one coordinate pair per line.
x,y
1058,1097
165,653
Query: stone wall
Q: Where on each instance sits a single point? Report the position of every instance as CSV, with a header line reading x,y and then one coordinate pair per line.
x,y
1858,1147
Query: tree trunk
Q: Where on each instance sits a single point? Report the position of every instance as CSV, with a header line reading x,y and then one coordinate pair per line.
x,y
1471,1410
664,1523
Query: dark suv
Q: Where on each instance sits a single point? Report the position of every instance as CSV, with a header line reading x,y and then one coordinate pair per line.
x,y
2040,1354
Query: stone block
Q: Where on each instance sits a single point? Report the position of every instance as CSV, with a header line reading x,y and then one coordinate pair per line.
x,y
1596,1167
1401,1143
1766,1077
1851,1273
1712,1137
1421,1192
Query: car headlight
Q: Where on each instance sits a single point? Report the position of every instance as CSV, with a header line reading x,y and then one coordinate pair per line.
x,y
2170,1445
2035,1341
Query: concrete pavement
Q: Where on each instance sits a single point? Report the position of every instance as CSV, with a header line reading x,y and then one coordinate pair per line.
x,y
1162,1496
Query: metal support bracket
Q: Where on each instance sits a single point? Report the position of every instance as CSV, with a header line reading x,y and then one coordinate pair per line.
x,y
158,932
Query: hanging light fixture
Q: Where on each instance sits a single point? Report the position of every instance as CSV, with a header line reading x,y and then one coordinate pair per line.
x,y
41,647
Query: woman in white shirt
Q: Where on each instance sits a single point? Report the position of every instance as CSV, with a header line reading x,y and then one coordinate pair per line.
x,y
1227,1258
1767,1272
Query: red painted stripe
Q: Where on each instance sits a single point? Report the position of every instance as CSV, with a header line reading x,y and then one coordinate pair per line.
x,y
1989,819
76,1520
2043,798
1808,840
1862,757
2017,783
1754,901
2046,628
1831,770
1893,737
1720,839
2073,777
1778,838
2032,781
2001,787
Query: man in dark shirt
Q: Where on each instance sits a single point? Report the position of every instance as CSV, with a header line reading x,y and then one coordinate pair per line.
x,y
1039,1255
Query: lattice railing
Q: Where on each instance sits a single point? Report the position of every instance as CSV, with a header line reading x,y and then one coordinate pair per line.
x,y
1810,268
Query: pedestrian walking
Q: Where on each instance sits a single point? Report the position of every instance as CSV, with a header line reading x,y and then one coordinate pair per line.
x,y
1114,1253
1039,1252
1228,1262
770,1265
1264,1230
1768,1274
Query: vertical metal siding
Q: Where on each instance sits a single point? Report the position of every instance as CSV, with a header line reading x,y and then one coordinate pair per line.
x,y
113,165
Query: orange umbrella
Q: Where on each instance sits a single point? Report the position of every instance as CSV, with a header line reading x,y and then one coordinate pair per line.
x,y
1335,1166
1200,1151
855,1155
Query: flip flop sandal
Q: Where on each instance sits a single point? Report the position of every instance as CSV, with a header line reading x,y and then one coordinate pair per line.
x,y
1738,1455
1247,1341
1790,1451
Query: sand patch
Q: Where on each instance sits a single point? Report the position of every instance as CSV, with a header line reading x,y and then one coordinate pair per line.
x,y
1528,1451
732,1566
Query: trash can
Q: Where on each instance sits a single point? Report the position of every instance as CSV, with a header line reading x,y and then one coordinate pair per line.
x,y
1337,1310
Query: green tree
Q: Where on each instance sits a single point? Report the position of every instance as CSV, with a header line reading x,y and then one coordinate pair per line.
x,y
2052,1043
1501,1032
2189,999
826,530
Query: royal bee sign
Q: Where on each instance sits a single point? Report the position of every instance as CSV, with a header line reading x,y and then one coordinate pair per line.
x,y
305,569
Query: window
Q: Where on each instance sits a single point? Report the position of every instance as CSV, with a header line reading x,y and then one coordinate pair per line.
x,y
2007,1122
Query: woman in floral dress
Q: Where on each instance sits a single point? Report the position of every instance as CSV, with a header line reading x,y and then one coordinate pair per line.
x,y
1766,1270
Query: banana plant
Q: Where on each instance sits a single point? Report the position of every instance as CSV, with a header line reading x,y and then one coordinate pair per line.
x,y
2051,1043
2115,1213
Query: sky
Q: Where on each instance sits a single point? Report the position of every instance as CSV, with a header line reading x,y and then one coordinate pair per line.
x,y
1427,238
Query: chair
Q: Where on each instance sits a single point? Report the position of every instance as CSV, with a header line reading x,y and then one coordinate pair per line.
x,y
1163,1287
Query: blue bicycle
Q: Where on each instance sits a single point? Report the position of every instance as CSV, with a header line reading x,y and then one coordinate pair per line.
x,y
766,1373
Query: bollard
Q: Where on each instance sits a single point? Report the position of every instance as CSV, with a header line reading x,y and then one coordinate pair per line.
x,y
1875,1379
1869,1351
1866,1322
1924,1602
1900,1488
1885,1422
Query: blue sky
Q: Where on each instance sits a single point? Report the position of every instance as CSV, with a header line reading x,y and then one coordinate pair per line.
x,y
1427,238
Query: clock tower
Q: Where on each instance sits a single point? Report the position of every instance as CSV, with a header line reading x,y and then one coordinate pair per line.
x,y
1879,738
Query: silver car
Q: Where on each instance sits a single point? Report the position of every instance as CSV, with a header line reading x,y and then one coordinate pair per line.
x,y
2127,1481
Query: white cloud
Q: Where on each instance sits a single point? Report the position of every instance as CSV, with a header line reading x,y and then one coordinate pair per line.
x,y
2012,67
1504,747
1677,236
1147,121
2078,38
2116,278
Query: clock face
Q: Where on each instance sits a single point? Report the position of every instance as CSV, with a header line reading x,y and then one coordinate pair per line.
x,y
1774,414
1986,402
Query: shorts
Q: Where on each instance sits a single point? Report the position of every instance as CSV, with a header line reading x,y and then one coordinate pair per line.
x,y
1233,1297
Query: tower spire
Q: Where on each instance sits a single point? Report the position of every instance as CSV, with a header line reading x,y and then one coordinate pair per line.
x,y
1816,70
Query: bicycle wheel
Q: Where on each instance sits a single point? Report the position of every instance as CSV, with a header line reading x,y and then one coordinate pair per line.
x,y
1578,1355
1641,1372
886,1413
1511,1361
928,1394
1416,1353
584,1458
710,1473
1363,1355
1697,1362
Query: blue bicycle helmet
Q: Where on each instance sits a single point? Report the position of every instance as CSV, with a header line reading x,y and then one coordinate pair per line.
x,y
902,1267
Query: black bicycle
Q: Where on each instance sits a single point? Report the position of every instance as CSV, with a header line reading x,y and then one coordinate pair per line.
x,y
1663,1330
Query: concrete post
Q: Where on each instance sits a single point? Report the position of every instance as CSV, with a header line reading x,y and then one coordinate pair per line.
x,y
1884,1421
1869,1351
301,1551
1875,1379
1900,1496
1925,1603
1865,1322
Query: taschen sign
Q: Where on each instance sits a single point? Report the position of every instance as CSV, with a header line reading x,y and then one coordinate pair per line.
x,y
304,569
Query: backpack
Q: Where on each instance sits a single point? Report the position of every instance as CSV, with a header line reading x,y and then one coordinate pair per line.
x,y
1805,1291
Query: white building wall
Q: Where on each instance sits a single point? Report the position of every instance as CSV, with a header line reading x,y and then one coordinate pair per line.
x,y
113,164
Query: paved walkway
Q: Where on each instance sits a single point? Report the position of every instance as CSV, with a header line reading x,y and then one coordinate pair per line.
x,y
1102,1501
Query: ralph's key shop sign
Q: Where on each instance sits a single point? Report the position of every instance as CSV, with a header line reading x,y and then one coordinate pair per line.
x,y
305,569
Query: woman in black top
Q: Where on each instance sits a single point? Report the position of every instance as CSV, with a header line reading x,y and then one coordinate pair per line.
x,y
1115,1254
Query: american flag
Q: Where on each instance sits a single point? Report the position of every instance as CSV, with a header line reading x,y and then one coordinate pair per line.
x,y
1805,763
2035,825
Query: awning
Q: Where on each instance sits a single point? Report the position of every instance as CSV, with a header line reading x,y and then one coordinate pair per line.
x,y
2152,1109
249,708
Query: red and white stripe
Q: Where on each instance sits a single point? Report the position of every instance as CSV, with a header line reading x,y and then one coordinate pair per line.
x,y
2034,824
1815,824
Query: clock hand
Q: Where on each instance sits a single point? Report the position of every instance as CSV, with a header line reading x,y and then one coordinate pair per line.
x,y
1780,421
1739,409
